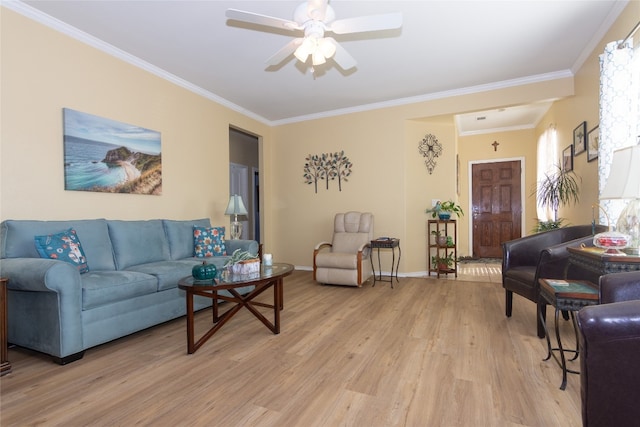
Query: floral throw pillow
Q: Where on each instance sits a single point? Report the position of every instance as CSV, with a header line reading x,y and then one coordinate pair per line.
x,y
208,241
63,246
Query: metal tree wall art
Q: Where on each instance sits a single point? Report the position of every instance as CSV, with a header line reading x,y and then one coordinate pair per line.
x,y
430,148
328,167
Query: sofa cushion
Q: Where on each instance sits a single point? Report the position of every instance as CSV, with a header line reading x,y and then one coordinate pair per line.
x,y
107,287
208,242
168,273
64,246
138,242
16,239
180,236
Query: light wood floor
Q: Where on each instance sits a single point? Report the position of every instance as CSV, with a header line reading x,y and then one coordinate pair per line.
x,y
427,353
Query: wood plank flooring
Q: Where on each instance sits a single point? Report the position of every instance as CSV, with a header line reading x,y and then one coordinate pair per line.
x,y
427,353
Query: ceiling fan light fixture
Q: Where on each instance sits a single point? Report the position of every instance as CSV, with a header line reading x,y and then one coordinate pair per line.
x,y
327,47
305,49
318,58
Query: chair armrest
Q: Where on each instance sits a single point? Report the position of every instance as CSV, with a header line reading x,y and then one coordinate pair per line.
x,y
321,245
363,248
610,324
525,251
609,347
618,287
553,260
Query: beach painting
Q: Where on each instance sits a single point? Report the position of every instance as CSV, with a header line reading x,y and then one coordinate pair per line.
x,y
107,156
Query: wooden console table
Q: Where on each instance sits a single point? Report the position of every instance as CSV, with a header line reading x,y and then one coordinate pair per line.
x,y
5,366
589,263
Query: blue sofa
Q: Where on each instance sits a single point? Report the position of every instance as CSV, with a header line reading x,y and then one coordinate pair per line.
x,y
134,268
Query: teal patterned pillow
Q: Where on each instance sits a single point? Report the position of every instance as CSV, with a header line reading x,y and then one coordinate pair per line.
x,y
63,246
208,241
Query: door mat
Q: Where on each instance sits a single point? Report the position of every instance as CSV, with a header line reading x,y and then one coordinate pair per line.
x,y
469,259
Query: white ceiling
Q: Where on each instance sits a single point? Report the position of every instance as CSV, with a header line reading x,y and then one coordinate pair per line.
x,y
444,48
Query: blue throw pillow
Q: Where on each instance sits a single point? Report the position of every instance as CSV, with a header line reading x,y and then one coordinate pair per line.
x,y
63,246
208,241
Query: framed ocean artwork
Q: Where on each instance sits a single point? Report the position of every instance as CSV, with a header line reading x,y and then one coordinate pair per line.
x,y
107,156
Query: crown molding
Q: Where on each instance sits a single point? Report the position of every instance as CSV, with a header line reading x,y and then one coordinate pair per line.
x,y
73,32
62,27
431,96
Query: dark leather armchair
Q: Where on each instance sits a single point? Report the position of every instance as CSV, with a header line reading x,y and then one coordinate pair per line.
x,y
609,347
539,256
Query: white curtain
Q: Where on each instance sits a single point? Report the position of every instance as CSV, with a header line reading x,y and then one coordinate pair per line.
x,y
619,109
547,162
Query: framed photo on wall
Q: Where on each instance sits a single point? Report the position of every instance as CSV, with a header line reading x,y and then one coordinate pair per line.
x,y
567,158
593,141
580,138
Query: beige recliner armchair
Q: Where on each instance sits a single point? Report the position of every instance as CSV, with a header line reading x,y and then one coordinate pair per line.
x,y
344,260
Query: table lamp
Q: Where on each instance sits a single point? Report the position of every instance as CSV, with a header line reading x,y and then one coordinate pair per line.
x,y
624,183
235,208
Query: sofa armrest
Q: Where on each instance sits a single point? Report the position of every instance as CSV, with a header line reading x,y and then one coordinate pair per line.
x,y
250,246
45,309
41,275
618,287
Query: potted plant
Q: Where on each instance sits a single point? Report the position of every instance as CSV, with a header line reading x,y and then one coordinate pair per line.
x,y
242,262
558,188
441,240
443,210
442,262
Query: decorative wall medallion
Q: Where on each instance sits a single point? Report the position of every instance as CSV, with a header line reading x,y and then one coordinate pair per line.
x,y
327,167
430,148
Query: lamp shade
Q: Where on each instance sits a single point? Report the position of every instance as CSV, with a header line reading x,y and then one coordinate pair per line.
x,y
624,178
235,206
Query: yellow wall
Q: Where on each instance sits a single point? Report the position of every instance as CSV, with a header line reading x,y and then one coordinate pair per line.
x,y
43,71
568,113
389,176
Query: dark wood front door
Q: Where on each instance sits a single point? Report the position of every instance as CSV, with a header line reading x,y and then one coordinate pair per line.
x,y
496,205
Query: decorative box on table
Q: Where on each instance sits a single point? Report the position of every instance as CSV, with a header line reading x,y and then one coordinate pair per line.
x,y
248,266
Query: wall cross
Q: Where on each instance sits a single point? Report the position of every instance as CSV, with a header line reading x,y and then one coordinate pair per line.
x,y
495,145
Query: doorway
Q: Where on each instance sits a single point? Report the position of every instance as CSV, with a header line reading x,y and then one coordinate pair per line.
x,y
496,205
244,179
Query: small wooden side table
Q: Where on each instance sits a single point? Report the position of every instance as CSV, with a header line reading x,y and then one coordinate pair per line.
x,y
571,296
5,366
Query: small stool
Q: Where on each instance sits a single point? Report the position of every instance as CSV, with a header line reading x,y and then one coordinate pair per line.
x,y
566,295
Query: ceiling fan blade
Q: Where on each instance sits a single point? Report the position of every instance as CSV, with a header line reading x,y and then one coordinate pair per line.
x,y
317,9
342,57
362,24
284,53
256,18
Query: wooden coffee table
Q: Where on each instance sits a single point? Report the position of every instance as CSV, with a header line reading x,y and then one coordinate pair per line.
x,y
269,277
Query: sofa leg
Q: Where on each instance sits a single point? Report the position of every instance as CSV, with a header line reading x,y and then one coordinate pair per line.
x,y
68,359
508,302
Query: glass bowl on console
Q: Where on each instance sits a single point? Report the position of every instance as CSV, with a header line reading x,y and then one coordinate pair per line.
x,y
612,242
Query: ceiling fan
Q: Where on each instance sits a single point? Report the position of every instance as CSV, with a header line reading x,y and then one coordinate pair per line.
x,y
315,18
